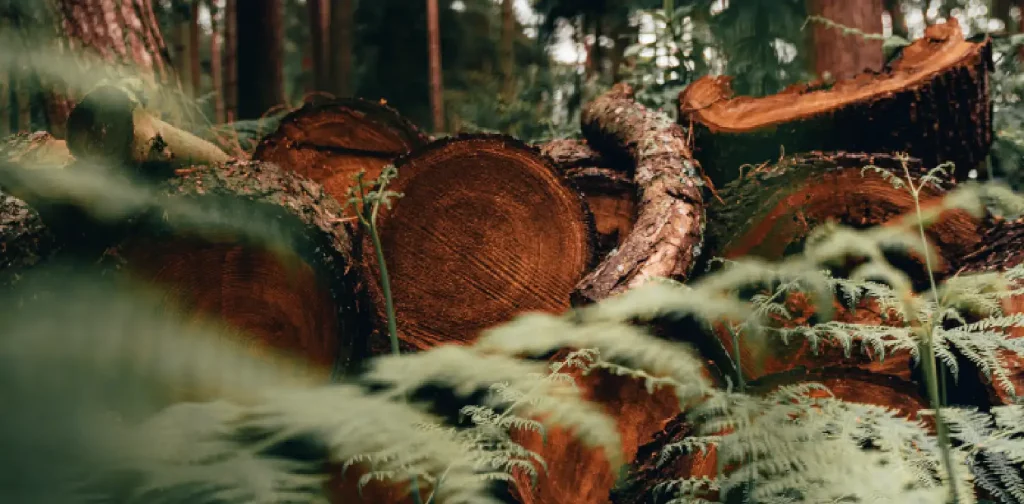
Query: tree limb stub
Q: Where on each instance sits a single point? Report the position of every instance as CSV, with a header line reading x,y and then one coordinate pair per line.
x,y
110,124
667,235
933,102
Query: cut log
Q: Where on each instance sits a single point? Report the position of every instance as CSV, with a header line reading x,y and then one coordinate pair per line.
x,y
665,239
932,101
111,125
645,472
35,149
331,141
578,475
608,188
1002,248
24,239
769,213
486,230
304,307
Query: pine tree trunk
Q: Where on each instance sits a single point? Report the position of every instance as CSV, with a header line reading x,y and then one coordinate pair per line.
x,y
216,69
231,60
194,68
899,18
260,53
436,83
841,56
341,47
318,16
124,32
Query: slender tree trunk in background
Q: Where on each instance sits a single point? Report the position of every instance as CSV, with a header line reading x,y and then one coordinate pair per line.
x,y
341,47
194,68
23,101
434,48
136,42
5,92
216,69
179,57
508,54
231,60
318,11
899,19
841,55
260,54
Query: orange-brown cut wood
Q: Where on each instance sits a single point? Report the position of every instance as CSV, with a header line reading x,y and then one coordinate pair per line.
x,y
330,141
486,230
933,102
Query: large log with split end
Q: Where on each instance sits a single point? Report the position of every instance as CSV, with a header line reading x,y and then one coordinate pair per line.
x,y
666,237
300,300
645,473
769,213
331,141
607,186
933,102
486,229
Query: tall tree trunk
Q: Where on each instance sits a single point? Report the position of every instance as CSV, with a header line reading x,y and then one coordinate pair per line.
x,y
341,47
434,48
216,68
194,69
260,53
319,16
841,55
124,32
508,54
179,46
231,59
899,18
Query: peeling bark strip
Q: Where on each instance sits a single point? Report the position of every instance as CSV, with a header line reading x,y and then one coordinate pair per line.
x,y
770,213
306,308
932,102
331,141
486,230
608,188
667,235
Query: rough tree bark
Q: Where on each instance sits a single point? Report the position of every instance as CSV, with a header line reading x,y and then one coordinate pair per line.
x,y
260,50
933,101
331,141
841,56
609,190
118,32
486,230
666,238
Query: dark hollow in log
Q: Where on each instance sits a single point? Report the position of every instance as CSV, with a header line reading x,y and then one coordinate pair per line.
x,y
770,213
486,230
331,141
304,307
932,101
645,473
608,188
665,239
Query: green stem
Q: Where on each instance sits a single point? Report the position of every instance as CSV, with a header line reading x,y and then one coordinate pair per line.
x,y
930,375
385,285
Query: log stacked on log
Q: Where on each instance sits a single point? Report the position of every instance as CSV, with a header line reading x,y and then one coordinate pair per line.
x,y
304,305
486,230
330,141
607,187
933,102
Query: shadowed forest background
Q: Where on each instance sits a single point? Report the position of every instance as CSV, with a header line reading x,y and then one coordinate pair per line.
x,y
522,67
